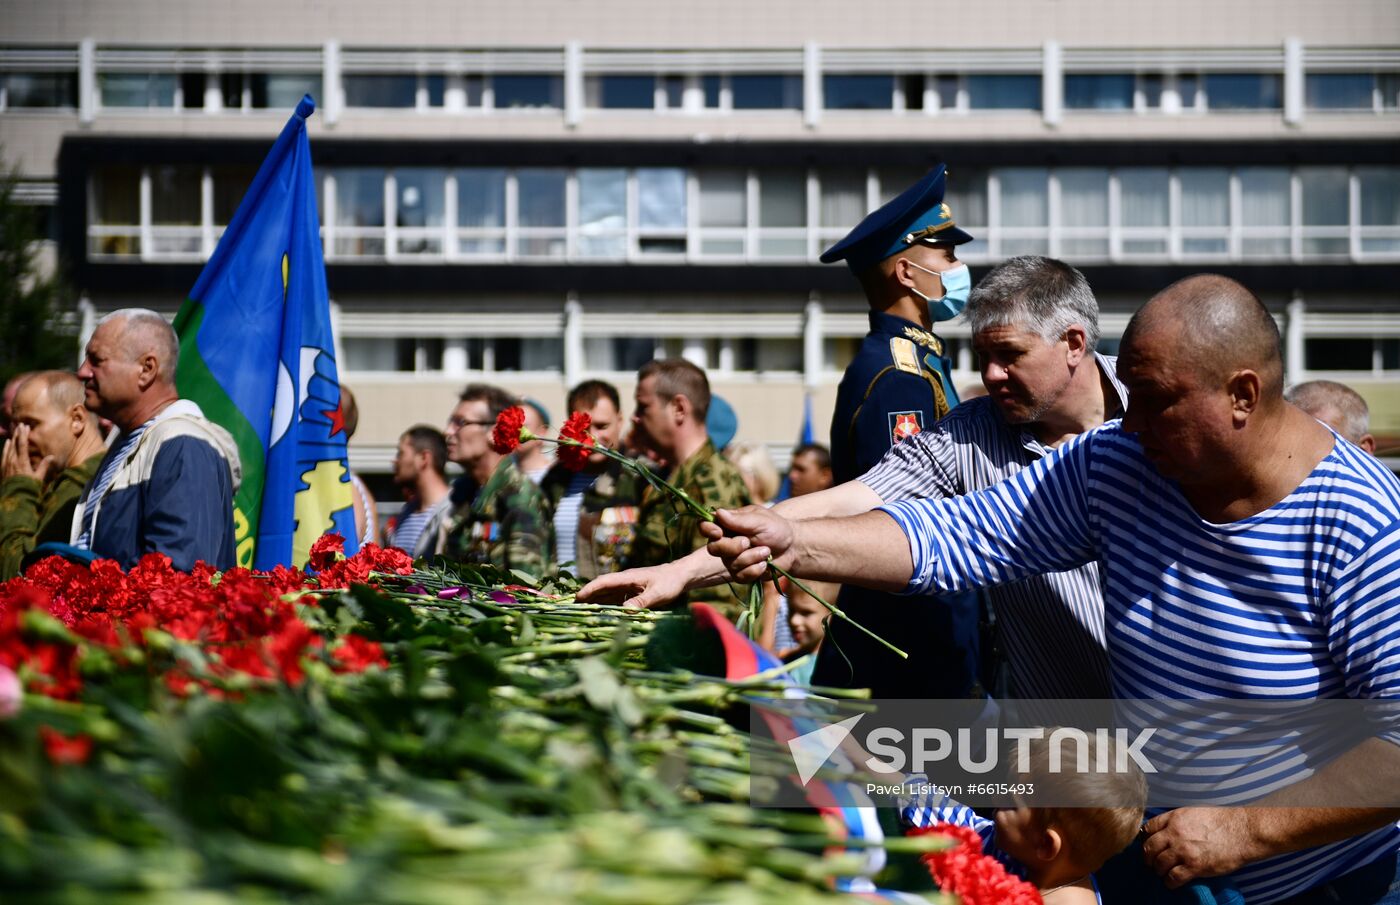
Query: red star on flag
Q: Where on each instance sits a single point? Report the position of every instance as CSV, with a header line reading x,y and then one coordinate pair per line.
x,y
337,416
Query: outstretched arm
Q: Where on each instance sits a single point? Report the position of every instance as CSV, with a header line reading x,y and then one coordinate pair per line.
x,y
654,586
868,549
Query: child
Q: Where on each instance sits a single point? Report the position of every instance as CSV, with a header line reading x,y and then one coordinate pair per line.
x,y
1056,848
807,622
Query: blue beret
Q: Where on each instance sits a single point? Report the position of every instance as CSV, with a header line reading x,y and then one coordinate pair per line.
x,y
721,423
917,214
537,406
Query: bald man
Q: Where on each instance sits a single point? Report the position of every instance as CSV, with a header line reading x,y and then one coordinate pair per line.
x,y
166,485
1339,407
53,453
1246,554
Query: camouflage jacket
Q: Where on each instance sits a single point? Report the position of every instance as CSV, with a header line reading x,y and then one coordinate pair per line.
x,y
507,525
667,530
607,516
32,514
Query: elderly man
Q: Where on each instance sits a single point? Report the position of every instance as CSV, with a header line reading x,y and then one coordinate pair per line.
x,y
1339,407
167,482
506,520
1247,555
53,454
1035,324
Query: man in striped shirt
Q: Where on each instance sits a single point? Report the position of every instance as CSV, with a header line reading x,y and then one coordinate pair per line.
x,y
1249,552
1035,324
420,471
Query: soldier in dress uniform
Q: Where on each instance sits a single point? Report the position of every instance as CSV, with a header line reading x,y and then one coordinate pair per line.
x,y
898,384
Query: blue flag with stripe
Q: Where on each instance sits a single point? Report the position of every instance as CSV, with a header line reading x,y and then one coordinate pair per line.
x,y
257,354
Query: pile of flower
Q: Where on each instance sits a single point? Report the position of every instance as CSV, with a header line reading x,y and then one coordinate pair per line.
x,y
974,877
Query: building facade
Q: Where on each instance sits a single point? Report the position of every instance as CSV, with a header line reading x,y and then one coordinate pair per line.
x,y
534,193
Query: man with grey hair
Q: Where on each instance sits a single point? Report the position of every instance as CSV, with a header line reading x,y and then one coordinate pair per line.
x,y
167,482
1339,407
1035,325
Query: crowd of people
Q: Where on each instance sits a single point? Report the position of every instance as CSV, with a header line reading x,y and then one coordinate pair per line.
x,y
1168,521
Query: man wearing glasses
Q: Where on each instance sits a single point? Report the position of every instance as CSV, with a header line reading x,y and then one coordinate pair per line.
x,y
506,521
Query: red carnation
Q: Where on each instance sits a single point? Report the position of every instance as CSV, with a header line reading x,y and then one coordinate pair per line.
x,y
506,435
976,878
327,549
576,429
356,654
62,749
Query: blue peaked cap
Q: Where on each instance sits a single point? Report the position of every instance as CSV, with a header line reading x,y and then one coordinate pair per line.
x,y
918,214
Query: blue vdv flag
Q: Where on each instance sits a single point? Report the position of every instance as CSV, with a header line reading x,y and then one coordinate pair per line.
x,y
257,355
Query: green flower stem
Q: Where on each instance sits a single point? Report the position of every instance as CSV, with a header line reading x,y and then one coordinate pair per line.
x,y
707,515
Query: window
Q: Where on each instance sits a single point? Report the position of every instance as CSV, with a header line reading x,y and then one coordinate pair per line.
x,y
1150,85
1003,92
966,194
782,213
540,200
1339,91
1243,91
359,212
859,92
618,353
622,92
29,90
946,87
602,213
528,92
419,210
1024,211
894,180
842,202
1189,90
1099,92
1144,209
1388,83
175,210
723,209
1338,354
192,90
777,355
230,184
673,86
661,210
1264,211
912,86
137,89
710,85
1205,211
766,92
530,353
115,215
1326,201
282,90
373,353
481,211
386,91
1083,212
1380,210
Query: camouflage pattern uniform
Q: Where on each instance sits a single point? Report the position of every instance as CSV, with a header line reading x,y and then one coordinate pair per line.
x,y
668,530
607,516
507,525
32,513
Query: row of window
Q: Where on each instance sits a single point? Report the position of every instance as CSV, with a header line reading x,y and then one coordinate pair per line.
x,y
1230,91
779,357
668,214
602,354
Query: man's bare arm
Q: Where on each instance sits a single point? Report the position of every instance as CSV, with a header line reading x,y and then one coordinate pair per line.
x,y
658,585
870,549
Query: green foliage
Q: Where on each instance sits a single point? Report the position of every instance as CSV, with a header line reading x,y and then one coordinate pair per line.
x,y
33,335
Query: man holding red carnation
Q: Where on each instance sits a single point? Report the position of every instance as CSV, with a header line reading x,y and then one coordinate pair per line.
x,y
507,522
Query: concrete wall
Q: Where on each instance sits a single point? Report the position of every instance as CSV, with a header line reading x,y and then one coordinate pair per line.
x,y
715,23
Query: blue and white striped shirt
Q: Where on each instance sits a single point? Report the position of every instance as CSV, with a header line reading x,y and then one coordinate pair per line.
x,y
1299,601
1051,624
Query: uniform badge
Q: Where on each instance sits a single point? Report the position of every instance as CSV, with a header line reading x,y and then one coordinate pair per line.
x,y
905,424
905,358
925,339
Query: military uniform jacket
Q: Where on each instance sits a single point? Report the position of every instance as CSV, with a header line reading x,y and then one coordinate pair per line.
x,y
507,524
607,515
896,386
32,513
668,530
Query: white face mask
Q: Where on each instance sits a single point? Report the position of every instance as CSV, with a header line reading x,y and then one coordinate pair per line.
x,y
957,284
